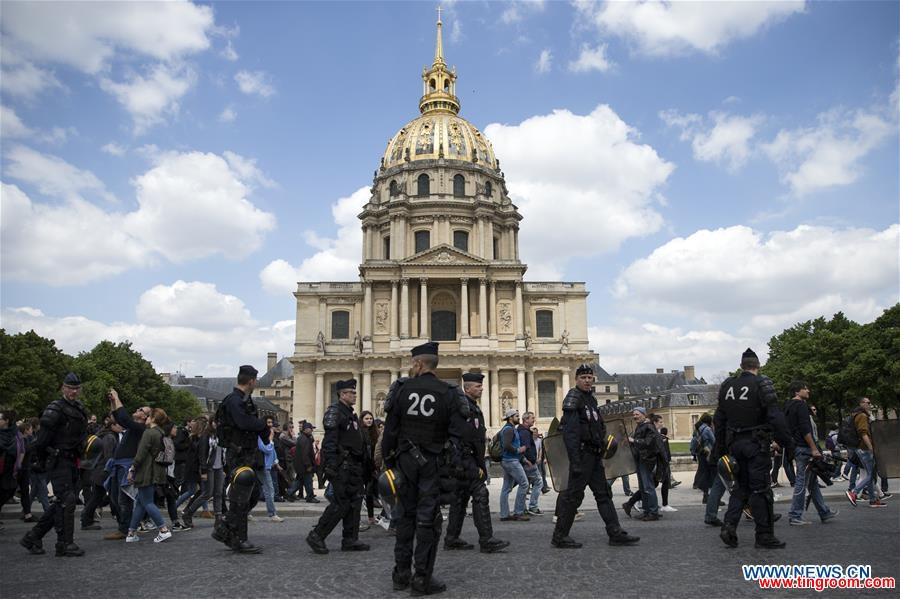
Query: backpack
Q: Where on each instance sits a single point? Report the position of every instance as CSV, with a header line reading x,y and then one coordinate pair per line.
x,y
166,455
847,434
495,449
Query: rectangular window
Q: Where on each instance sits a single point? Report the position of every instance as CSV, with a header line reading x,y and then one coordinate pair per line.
x,y
386,248
496,248
277,393
340,324
423,241
544,323
461,240
546,399
607,388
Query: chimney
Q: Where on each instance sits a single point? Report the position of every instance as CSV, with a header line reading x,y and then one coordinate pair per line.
x,y
689,374
271,359
660,371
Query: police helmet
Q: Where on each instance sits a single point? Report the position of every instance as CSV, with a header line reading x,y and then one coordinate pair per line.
x,y
610,445
728,471
390,483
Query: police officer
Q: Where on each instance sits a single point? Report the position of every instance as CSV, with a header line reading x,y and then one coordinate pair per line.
x,y
584,434
343,455
239,427
473,476
745,421
59,444
422,416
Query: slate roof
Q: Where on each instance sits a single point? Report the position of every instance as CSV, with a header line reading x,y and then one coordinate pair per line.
x,y
282,370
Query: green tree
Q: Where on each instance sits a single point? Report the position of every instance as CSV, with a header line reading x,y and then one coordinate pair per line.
x,y
31,372
873,366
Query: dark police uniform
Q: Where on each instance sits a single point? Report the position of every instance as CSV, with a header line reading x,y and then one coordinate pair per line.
x,y
343,456
584,433
746,420
59,444
422,416
472,482
239,427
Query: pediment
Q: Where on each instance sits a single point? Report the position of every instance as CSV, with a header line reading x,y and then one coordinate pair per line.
x,y
444,254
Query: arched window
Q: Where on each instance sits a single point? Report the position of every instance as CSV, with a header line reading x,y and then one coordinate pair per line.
x,y
461,240
488,189
544,323
395,189
443,325
546,399
459,186
424,185
423,241
340,324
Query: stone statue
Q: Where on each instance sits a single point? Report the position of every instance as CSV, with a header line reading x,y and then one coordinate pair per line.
x,y
564,341
357,342
529,343
320,342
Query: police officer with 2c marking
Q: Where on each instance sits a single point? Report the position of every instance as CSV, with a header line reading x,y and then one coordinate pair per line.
x,y
425,417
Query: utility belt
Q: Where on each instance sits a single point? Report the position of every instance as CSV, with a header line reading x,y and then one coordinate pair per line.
x,y
54,455
761,433
591,447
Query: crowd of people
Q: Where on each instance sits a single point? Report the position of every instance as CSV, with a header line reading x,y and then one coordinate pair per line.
x,y
432,449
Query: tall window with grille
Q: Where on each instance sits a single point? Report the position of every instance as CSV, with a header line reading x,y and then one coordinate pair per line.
x,y
423,185
546,399
423,241
461,240
459,186
543,320
340,324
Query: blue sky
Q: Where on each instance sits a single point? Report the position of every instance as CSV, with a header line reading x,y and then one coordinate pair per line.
x,y
715,172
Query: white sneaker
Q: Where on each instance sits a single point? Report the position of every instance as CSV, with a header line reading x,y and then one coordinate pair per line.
x,y
667,508
578,516
132,538
162,536
276,518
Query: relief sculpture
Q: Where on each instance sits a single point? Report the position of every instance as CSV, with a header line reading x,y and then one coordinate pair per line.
x,y
381,316
505,317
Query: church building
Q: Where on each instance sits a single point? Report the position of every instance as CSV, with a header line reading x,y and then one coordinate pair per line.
x,y
440,261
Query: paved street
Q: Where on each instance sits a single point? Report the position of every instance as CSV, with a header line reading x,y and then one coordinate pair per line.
x,y
677,557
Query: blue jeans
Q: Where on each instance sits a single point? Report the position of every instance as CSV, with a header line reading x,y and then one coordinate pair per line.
x,y
804,481
124,503
265,479
716,491
187,491
143,503
39,490
649,502
867,480
513,474
537,484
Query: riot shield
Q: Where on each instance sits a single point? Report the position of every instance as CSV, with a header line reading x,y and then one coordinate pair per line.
x,y
886,439
620,464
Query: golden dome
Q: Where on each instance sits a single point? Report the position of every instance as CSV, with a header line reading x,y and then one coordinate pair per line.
x,y
437,135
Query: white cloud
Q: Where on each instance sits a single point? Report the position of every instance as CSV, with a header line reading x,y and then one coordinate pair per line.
x,y
591,59
229,53
228,115
149,99
337,259
11,126
721,138
51,175
737,272
563,166
86,35
828,154
190,206
114,149
456,32
518,10
247,170
191,349
665,28
544,62
191,304
24,80
255,82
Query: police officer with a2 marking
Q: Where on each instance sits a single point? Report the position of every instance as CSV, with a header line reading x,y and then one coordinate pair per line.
x,y
746,421
343,455
424,419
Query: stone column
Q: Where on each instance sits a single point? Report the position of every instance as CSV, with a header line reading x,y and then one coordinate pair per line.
x,y
493,310
489,238
404,308
401,239
367,310
323,317
482,308
320,399
566,385
520,311
486,399
393,376
394,309
464,307
495,395
435,231
521,403
423,308
367,390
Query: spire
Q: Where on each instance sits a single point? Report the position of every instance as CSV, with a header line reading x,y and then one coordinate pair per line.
x,y
439,92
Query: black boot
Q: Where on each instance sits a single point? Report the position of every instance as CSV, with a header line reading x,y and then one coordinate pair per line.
x,y
768,541
423,584
400,579
452,543
221,531
353,545
239,542
492,545
620,537
565,542
68,550
33,545
316,543
729,535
